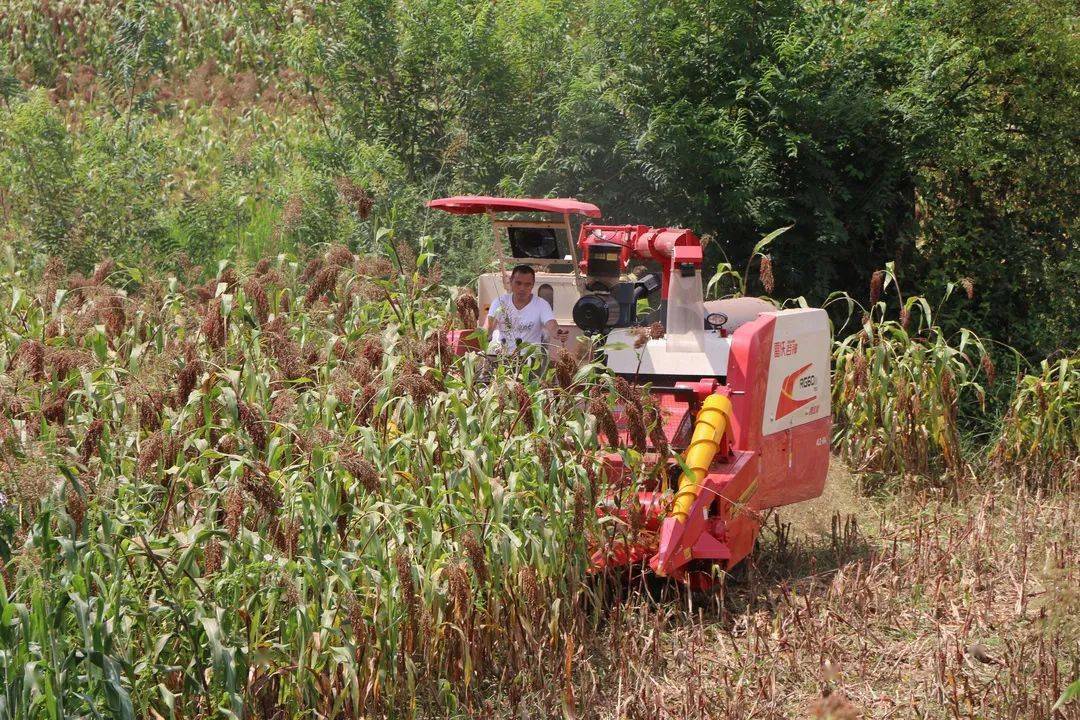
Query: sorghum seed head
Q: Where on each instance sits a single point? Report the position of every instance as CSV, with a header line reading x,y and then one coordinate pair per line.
x,y
213,325
565,369
530,586
54,408
642,336
151,405
341,522
256,293
259,485
110,309
988,368
64,360
90,442
187,377
340,255
150,453
314,265
765,274
635,424
877,282
475,551
212,558
364,472
284,402
356,619
372,351
234,511
605,421
31,355
252,423
355,196
460,587
524,404
580,502
323,283
403,561
102,271
292,213
468,311
76,507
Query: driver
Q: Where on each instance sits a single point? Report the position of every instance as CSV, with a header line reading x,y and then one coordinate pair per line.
x,y
519,318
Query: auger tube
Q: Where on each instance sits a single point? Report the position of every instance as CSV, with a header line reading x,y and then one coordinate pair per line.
x,y
712,421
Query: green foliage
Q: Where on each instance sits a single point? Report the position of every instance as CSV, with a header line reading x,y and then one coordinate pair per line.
x,y
139,47
938,135
1071,694
8,525
988,95
80,197
906,132
38,170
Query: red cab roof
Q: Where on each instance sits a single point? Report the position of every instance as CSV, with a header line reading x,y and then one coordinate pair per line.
x,y
473,204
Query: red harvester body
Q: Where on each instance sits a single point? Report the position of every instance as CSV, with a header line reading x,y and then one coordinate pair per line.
x,y
743,388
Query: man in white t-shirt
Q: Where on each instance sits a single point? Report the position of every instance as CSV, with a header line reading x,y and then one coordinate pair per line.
x,y
518,317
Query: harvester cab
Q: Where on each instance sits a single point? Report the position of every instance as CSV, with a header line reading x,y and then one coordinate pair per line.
x,y
544,240
742,388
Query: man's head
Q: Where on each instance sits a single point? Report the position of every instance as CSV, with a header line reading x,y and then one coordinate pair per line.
x,y
522,279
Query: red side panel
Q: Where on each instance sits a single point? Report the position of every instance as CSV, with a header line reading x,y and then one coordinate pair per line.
x,y
793,461
462,341
748,377
793,465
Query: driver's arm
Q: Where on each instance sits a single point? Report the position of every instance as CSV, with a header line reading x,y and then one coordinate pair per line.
x,y
551,330
489,321
551,327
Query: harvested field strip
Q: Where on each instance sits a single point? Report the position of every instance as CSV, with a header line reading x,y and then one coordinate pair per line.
x,y
941,611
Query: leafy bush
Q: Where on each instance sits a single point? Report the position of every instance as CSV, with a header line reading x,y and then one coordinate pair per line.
x,y
81,196
880,132
938,135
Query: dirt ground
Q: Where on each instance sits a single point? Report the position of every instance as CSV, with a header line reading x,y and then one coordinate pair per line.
x,y
841,496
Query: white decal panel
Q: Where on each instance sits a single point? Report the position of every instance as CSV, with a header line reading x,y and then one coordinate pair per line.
x,y
656,359
799,385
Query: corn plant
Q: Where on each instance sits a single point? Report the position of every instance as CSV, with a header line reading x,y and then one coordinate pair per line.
x,y
1039,439
898,384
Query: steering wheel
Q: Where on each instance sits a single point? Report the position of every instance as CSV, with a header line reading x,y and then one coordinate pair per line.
x,y
716,320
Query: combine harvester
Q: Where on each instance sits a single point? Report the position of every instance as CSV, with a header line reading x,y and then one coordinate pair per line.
x,y
743,388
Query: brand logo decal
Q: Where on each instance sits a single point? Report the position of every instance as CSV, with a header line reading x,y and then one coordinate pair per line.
x,y
787,403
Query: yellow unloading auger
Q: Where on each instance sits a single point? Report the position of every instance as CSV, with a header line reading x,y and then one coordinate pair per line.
x,y
712,422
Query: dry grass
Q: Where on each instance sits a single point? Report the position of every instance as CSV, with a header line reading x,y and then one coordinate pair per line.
x,y
883,621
